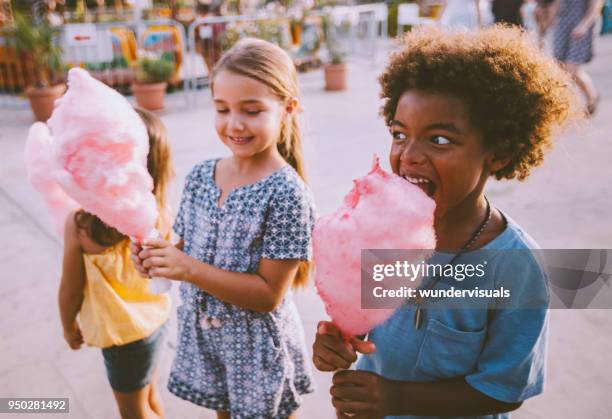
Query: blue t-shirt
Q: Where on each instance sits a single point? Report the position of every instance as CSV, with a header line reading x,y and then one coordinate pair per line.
x,y
500,350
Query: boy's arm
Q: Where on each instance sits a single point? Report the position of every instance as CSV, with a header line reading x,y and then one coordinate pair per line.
x,y
365,393
72,284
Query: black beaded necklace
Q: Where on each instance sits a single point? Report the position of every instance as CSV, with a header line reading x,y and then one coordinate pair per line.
x,y
418,301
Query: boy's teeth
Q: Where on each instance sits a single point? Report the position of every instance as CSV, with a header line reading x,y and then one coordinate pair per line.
x,y
416,180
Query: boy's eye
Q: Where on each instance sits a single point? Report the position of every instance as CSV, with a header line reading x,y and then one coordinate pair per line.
x,y
222,110
398,135
440,140
253,111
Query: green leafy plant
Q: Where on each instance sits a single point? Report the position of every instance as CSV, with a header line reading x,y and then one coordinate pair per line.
x,y
153,70
336,55
36,44
230,36
270,30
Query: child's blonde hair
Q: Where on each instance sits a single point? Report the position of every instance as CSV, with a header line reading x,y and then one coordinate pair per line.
x,y
159,165
272,66
269,64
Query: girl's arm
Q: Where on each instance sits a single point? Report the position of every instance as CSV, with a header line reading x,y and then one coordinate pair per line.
x,y
72,284
262,291
378,396
589,18
551,14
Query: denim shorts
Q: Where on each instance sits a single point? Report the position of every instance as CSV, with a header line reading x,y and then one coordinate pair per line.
x,y
130,367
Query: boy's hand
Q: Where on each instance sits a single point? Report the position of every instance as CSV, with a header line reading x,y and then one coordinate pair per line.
x,y
331,352
360,394
73,337
162,259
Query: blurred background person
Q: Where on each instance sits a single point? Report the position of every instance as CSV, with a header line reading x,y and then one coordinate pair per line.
x,y
508,11
462,14
543,18
573,30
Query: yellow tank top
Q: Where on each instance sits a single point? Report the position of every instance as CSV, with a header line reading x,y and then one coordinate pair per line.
x,y
117,306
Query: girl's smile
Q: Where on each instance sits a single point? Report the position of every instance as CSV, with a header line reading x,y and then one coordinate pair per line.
x,y
249,115
240,140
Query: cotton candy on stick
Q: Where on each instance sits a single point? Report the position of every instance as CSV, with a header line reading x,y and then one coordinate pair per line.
x,y
99,147
39,167
382,211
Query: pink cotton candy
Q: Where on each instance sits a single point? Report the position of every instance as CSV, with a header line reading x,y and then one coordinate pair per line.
x,y
39,167
382,211
99,153
94,153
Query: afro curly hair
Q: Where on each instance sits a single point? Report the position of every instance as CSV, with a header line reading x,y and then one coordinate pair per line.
x,y
513,93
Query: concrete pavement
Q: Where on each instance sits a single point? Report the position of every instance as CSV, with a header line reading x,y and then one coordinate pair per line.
x,y
566,203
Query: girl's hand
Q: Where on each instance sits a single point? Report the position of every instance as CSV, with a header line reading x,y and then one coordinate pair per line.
x,y
136,248
580,31
360,394
161,258
73,336
331,352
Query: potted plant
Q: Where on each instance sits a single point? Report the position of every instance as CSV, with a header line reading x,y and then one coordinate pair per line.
x,y
152,75
44,72
336,71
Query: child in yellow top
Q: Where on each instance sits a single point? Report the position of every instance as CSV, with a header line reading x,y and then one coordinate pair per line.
x,y
116,310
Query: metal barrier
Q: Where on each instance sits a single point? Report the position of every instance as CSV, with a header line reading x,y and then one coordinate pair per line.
x,y
207,37
107,50
367,26
359,30
13,73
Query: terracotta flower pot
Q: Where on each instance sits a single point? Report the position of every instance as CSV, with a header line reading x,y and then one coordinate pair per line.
x,y
150,96
42,100
335,76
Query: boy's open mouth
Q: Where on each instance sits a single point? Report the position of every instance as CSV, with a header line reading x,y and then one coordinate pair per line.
x,y
240,140
425,184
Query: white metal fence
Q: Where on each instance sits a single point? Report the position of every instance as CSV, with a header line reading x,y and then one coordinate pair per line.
x,y
107,50
110,50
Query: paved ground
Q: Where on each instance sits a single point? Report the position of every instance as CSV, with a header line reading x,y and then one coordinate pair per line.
x,y
565,203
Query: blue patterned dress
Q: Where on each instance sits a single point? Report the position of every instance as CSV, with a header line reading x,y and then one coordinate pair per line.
x,y
565,48
251,364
